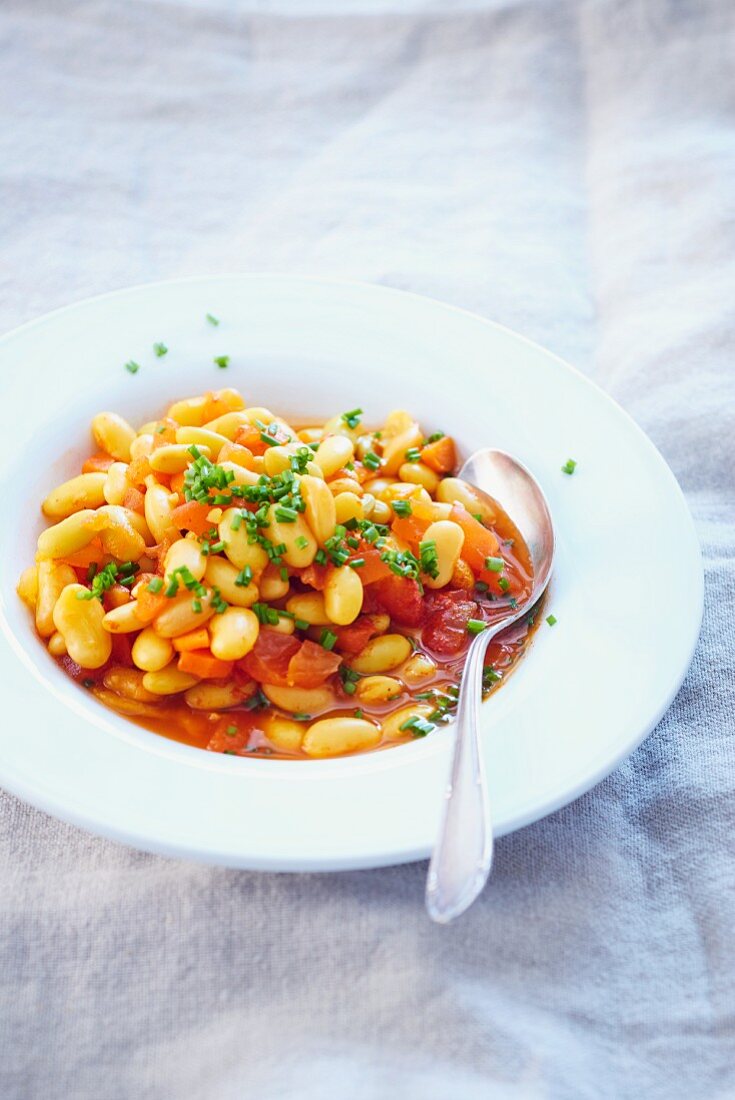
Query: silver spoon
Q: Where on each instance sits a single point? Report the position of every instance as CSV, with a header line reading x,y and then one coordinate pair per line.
x,y
462,857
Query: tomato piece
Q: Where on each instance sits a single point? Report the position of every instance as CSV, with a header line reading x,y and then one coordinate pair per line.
x,y
121,650
192,516
374,569
138,470
447,615
315,576
440,456
269,659
233,742
311,665
134,500
165,433
410,529
479,543
401,598
352,639
97,464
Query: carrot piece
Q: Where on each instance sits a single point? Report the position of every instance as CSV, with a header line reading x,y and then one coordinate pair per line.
x,y
441,455
97,464
134,500
149,604
201,663
192,516
177,483
479,543
195,639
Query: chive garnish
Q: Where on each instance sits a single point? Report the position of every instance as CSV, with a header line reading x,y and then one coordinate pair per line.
x,y
221,361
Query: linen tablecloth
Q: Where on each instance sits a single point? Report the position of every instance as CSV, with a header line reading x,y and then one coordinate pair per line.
x,y
568,169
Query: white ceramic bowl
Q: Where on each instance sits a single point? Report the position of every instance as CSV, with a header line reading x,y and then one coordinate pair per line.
x,y
627,590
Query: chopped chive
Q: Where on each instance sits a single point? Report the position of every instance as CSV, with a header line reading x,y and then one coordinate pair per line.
x,y
244,577
286,515
212,319
349,687
413,454
359,712
401,507
299,716
160,350
495,565
513,602
196,606
268,440
503,584
551,620
301,624
356,563
328,639
476,626
221,361
231,731
418,726
371,460
155,585
569,466
352,418
435,437
132,367
302,542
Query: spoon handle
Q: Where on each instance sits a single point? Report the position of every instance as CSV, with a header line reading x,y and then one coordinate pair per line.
x,y
460,863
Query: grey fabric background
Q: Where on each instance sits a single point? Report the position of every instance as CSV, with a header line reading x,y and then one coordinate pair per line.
x,y
569,170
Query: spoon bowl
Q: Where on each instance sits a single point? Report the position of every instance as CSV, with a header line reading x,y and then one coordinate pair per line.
x,y
462,857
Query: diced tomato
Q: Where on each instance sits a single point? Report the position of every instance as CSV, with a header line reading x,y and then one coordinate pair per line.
x,y
311,665
315,576
162,438
249,436
201,663
410,529
447,615
352,639
121,650
138,470
97,464
134,500
479,543
192,516
401,598
374,569
513,586
225,740
269,659
440,456
117,596
233,452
